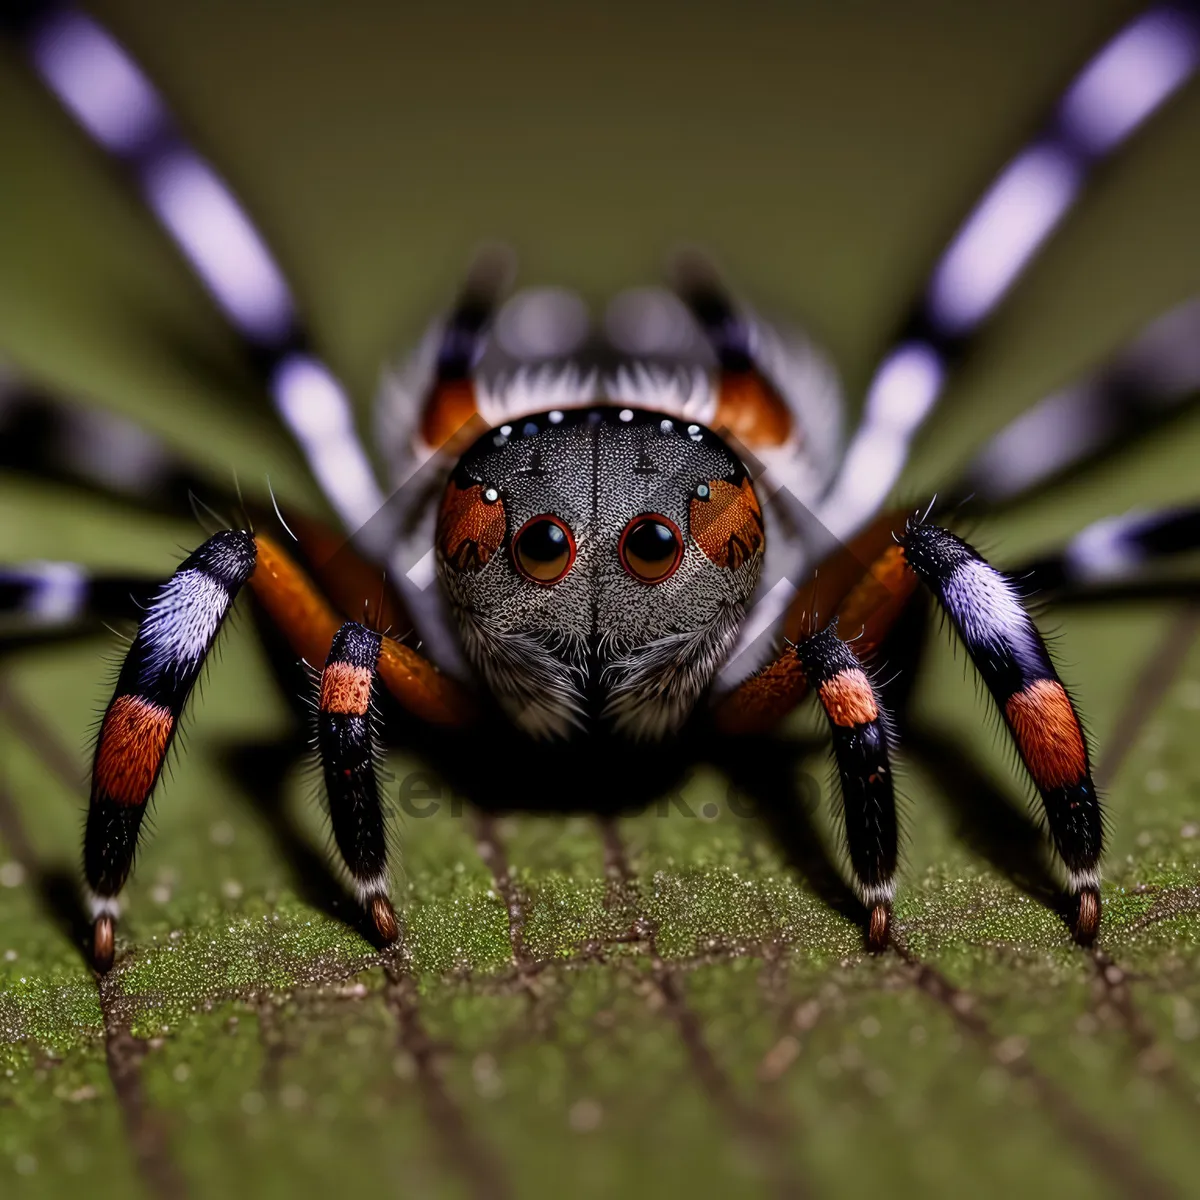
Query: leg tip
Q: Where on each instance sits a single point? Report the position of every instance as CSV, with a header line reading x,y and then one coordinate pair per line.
x,y
879,929
689,269
383,916
1087,918
491,271
103,942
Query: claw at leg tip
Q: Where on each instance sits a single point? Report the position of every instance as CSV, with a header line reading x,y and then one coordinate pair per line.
x,y
384,918
1087,920
879,928
103,935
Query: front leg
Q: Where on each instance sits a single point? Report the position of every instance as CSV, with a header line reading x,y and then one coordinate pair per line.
x,y
859,732
1012,659
859,735
346,718
1007,650
173,640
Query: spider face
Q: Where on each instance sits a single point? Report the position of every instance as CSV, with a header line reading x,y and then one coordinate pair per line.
x,y
598,563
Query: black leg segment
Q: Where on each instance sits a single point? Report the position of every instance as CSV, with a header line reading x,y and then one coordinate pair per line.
x,y
346,743
860,744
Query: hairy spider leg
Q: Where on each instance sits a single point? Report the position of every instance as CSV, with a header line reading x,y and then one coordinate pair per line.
x,y
346,715
1007,650
1151,380
173,640
749,406
859,732
199,212
996,244
1011,658
450,420
140,722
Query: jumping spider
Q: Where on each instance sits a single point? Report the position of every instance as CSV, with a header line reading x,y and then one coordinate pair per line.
x,y
609,544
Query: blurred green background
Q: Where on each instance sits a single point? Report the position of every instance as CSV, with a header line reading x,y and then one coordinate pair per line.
x,y
824,153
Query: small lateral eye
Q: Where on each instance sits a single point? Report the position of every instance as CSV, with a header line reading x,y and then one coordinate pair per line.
x,y
651,548
544,549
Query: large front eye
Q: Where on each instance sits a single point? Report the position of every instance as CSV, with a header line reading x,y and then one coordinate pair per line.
x,y
544,549
651,548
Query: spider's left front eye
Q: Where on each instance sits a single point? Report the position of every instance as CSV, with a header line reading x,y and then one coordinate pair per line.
x,y
651,548
544,549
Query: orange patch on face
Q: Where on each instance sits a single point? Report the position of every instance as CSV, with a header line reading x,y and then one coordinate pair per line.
x,y
848,699
751,410
345,689
133,740
448,421
470,530
1048,734
728,526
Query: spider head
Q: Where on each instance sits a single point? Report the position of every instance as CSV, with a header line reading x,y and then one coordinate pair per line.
x,y
598,563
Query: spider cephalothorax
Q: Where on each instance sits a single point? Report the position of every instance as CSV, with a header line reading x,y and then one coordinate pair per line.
x,y
599,563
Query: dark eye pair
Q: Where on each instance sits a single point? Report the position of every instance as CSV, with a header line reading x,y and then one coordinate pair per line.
x,y
650,549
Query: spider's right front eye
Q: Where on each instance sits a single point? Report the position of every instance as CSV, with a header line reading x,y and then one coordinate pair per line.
x,y
651,548
544,549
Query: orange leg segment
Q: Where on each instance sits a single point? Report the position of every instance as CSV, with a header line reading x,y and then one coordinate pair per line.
x,y
308,622
866,585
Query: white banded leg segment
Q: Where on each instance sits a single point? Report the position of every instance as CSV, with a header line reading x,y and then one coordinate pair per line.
x,y
1115,550
1012,659
1031,196
158,674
